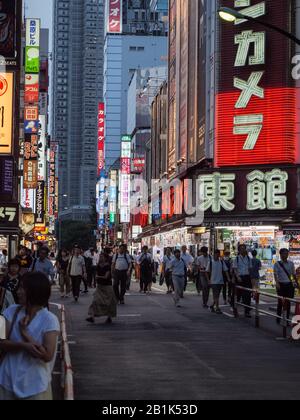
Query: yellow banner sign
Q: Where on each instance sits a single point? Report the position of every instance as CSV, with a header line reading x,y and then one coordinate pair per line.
x,y
6,113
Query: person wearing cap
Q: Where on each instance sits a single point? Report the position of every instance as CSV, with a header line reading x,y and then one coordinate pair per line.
x,y
77,271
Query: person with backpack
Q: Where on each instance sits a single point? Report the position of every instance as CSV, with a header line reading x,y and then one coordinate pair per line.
x,y
242,266
146,264
179,273
216,270
286,282
42,264
121,270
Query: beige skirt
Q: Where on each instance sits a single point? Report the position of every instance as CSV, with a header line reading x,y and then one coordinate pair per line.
x,y
6,395
104,303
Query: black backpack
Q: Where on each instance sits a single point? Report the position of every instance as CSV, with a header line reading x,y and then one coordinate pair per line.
x,y
146,264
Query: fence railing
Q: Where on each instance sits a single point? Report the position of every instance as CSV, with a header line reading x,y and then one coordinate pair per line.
x,y
67,382
256,294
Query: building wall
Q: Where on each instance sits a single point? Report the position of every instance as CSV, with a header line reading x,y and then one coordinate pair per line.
x,y
77,89
123,55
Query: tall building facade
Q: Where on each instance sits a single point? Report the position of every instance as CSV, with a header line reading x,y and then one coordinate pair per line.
x,y
140,42
77,90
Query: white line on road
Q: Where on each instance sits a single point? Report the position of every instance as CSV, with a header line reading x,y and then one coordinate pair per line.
x,y
130,316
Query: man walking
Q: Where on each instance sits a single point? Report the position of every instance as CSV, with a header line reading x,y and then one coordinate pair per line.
x,y
242,267
202,263
179,273
285,277
121,270
42,264
77,271
216,271
167,270
188,260
145,262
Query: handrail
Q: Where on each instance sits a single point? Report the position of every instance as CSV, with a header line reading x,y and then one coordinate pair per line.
x,y
67,381
257,293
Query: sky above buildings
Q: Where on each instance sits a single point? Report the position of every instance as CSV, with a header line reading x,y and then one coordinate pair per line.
x,y
40,9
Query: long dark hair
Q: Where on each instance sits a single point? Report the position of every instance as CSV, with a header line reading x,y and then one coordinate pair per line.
x,y
37,288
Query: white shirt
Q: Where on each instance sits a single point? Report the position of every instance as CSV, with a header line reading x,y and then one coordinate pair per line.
x,y
77,266
188,259
122,262
243,265
216,268
280,273
94,257
3,259
168,262
202,262
20,373
178,267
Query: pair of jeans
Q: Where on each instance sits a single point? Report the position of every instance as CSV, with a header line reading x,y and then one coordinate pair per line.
x,y
120,282
286,290
205,288
179,283
246,296
64,283
76,282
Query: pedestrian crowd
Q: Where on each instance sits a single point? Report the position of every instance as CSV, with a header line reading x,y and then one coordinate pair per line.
x,y
29,340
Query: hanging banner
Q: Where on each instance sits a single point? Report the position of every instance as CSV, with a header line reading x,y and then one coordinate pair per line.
x,y
42,149
31,89
32,49
40,203
30,174
101,138
6,175
6,113
114,18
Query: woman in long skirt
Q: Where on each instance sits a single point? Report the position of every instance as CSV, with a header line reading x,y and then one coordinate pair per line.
x,y
104,303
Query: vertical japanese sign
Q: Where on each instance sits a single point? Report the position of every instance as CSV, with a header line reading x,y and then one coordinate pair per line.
x,y
101,138
125,179
40,203
42,149
30,170
31,89
6,176
201,81
51,179
114,16
32,49
172,86
113,196
256,100
6,112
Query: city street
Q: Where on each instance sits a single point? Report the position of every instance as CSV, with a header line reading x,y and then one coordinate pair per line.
x,y
154,351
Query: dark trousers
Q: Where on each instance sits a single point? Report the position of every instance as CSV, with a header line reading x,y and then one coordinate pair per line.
x,y
169,281
198,283
246,296
90,276
227,291
120,282
205,288
76,281
146,279
288,291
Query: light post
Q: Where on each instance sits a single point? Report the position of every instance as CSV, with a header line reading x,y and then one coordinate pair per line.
x,y
231,15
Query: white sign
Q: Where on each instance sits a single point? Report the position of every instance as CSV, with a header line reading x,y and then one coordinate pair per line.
x,y
33,32
42,149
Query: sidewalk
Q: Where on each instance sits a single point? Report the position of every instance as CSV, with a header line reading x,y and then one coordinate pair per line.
x,y
156,351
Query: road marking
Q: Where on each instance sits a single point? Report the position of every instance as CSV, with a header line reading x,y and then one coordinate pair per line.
x,y
130,316
229,315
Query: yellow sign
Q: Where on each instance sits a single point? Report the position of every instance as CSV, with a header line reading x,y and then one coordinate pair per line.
x,y
6,112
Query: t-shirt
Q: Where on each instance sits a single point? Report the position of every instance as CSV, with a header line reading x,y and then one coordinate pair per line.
x,y
178,267
202,262
256,266
77,266
281,274
216,268
122,262
243,265
188,260
167,261
20,373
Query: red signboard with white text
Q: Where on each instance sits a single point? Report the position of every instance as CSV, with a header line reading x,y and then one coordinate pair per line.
x,y
256,95
101,138
31,88
114,18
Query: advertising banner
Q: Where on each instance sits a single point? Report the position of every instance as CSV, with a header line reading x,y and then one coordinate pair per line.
x,y
32,49
30,174
6,113
31,89
101,138
27,197
9,215
10,27
42,167
6,176
40,203
114,16
256,103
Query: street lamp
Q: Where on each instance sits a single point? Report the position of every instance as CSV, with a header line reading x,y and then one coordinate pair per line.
x,y
231,15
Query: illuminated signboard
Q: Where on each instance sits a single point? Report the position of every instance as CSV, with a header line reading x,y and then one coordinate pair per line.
x,y
42,149
256,103
114,16
6,175
6,112
112,197
32,50
51,179
101,138
30,174
9,215
10,27
31,88
40,203
125,179
27,197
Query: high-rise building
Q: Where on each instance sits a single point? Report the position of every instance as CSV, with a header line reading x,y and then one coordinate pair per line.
x,y
77,90
136,39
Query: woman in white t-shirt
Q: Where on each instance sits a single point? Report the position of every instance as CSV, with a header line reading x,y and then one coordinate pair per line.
x,y
31,343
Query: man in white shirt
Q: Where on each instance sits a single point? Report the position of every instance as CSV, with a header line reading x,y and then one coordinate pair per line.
x,y
179,269
216,270
91,261
242,266
121,270
167,270
202,263
77,271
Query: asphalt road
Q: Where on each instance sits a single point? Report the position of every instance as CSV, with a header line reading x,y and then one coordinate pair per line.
x,y
155,351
